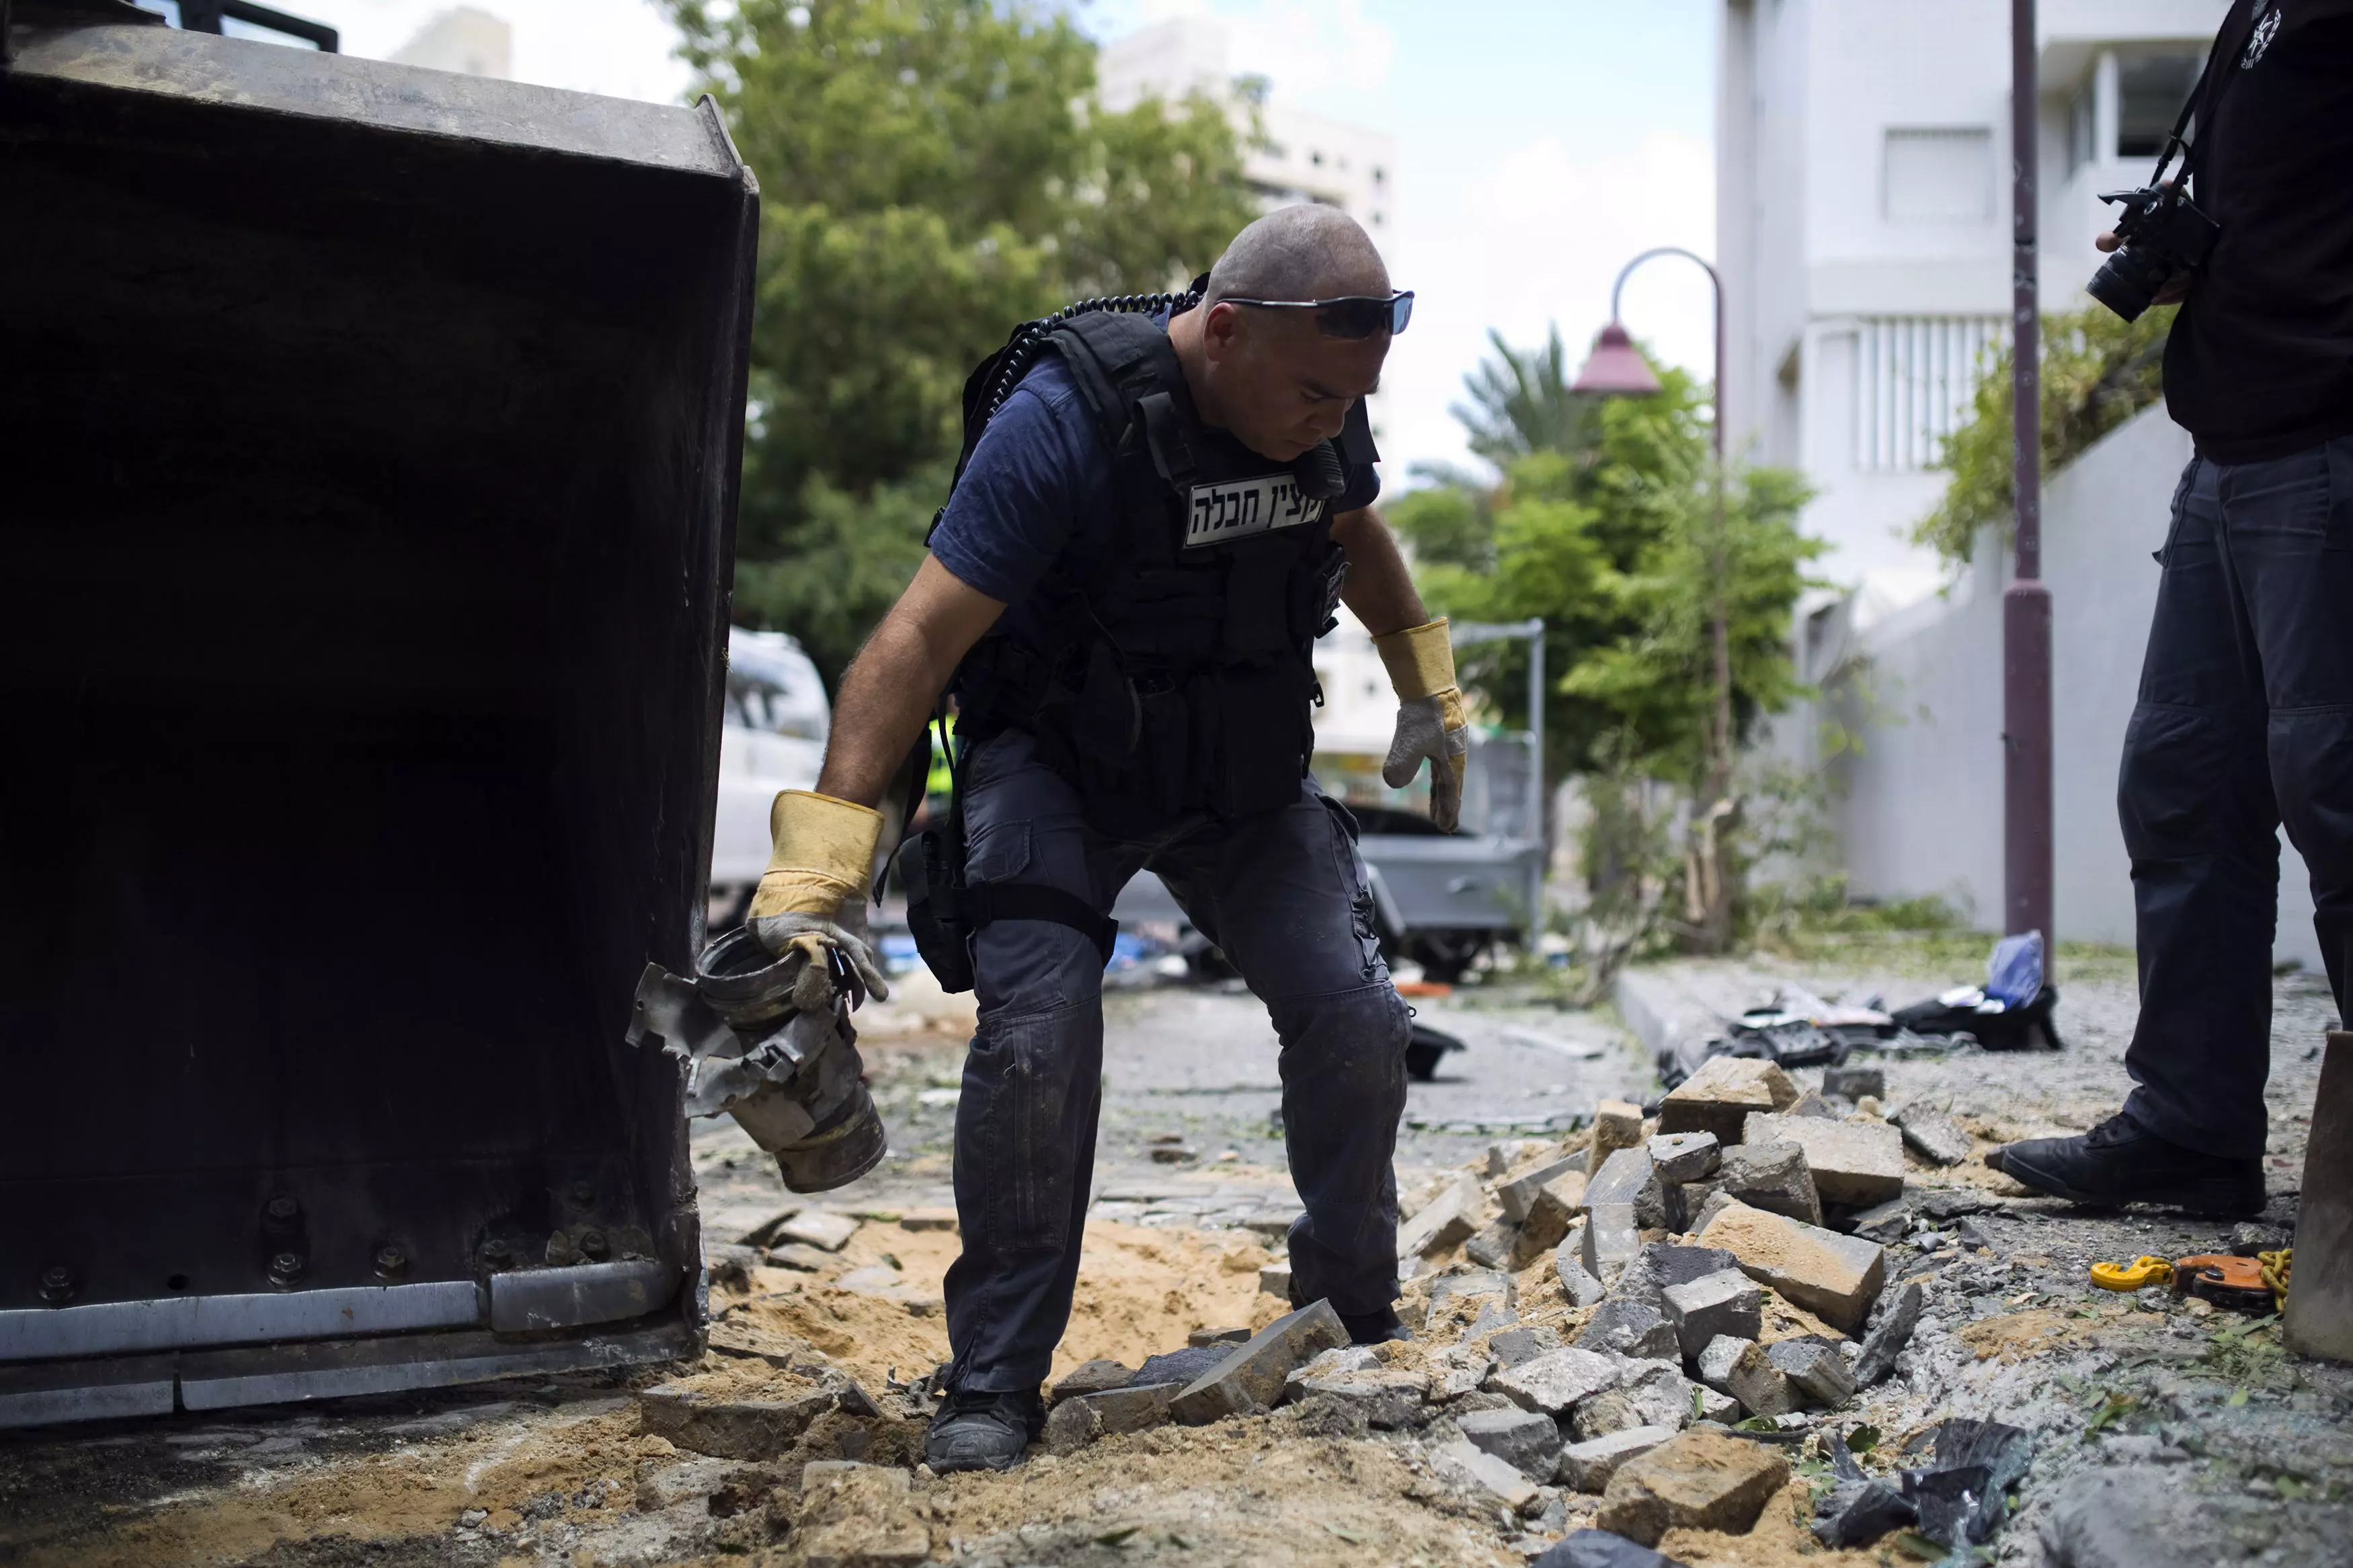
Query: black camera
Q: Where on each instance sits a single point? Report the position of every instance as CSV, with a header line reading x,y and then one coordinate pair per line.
x,y
2159,233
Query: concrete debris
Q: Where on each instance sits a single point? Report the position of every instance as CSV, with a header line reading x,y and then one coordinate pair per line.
x,y
1726,1302
1773,1177
1077,1421
820,1229
1814,1105
1492,1316
1463,1372
1274,1281
1227,1336
1952,1202
1857,1163
1611,1240
1528,1440
1450,1219
1575,1280
1885,1223
1472,1467
1854,1082
1510,1154
1617,1124
1628,1178
1721,1096
1762,1388
729,1428
730,1268
1554,1381
1933,1135
1718,1358
1517,1196
682,1482
885,1283
1600,1549
1501,1245
1714,1405
1557,1205
1462,1297
1698,1479
858,1516
1684,1156
1180,1366
1836,1278
1889,1335
1514,1347
1661,1394
1630,1326
1385,1397
1855,1513
1587,1467
1250,1377
921,1219
1814,1368
801,1256
1600,1415
1666,1263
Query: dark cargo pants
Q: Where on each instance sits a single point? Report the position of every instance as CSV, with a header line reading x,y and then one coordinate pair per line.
x,y
2246,720
1284,894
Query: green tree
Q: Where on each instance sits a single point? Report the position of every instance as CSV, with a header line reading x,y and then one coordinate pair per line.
x,y
1521,403
931,172
2099,371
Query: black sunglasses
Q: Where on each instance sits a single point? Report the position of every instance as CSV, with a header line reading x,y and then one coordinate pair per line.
x,y
1348,316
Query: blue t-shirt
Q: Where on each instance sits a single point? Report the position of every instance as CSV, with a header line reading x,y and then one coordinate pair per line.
x,y
1038,494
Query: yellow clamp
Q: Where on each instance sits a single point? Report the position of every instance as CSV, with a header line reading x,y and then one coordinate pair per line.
x,y
2132,1276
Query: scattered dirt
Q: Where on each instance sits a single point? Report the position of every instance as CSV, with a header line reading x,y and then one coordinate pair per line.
x,y
2017,1336
1780,1540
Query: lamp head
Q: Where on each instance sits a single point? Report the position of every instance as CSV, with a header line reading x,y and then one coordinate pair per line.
x,y
1615,368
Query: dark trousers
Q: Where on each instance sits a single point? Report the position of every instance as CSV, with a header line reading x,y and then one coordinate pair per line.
x,y
2245,720
1285,895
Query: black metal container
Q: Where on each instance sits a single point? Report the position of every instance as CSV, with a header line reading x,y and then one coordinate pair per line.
x,y
368,448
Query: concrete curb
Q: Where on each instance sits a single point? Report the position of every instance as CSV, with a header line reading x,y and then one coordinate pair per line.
x,y
1657,1012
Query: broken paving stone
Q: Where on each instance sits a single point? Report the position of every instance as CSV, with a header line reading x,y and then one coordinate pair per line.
x,y
1528,1440
1093,1377
1600,1549
1251,1376
1587,1467
943,1219
1556,1379
1598,1414
1660,1392
1385,1397
1718,1357
1684,1156
1858,1513
1952,1202
858,1516
1630,1326
1274,1281
1497,1247
1577,1281
729,1428
1882,1223
1078,1421
1610,1241
1933,1135
1814,1368
801,1255
1517,1196
1726,1302
1513,1346
1492,1316
1464,1295
1698,1479
1836,1278
1770,1176
1557,1205
673,1484
1229,1336
1714,1405
1630,1178
730,1268
1180,1366
1450,1219
1889,1335
1463,1372
1854,1082
1662,1264
1720,1097
1467,1464
1762,1388
820,1229
1853,1163
885,1283
1814,1105
1617,1124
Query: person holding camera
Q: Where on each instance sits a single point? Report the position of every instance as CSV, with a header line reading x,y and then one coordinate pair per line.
x,y
2245,712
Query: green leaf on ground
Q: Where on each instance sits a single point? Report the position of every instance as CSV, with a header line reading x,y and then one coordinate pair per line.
x,y
1353,1537
1117,1537
1918,1545
2238,1397
2291,1489
1863,1440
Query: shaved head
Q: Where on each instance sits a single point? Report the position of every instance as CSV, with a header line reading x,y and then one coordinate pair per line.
x,y
1304,252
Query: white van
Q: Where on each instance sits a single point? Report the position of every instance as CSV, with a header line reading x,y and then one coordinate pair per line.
x,y
772,738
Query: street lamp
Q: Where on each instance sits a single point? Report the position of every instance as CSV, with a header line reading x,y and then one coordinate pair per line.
x,y
1615,369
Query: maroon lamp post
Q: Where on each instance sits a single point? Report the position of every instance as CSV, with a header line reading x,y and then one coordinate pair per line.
x,y
1615,369
2026,792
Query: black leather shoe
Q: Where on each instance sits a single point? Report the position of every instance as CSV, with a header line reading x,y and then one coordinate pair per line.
x,y
977,1431
2119,1162
1374,1327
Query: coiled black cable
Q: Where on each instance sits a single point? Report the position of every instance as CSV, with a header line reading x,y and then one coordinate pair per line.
x,y
1032,336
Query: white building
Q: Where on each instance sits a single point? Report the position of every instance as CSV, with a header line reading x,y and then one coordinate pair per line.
x,y
1306,158
466,41
1863,226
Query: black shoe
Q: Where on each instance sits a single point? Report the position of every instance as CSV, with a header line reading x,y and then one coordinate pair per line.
x,y
1374,1327
977,1431
2119,1163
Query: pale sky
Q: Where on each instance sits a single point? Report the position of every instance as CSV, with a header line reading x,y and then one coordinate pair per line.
x,y
1543,143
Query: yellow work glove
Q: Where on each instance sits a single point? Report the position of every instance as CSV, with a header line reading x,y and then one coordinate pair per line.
x,y
1420,662
813,894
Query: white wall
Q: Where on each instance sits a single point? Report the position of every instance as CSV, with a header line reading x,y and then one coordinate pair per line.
x,y
1922,812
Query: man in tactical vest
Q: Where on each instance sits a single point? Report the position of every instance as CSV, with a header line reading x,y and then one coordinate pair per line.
x,y
1122,593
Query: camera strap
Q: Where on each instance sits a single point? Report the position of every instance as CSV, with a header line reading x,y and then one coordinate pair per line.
x,y
2205,93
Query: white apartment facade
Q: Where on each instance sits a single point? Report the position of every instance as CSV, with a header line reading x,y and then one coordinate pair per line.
x,y
1863,228
467,40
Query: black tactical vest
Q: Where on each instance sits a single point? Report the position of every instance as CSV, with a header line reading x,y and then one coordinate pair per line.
x,y
1178,675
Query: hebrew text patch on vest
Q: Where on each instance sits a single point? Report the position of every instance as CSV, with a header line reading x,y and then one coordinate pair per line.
x,y
1235,508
